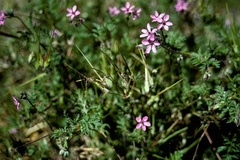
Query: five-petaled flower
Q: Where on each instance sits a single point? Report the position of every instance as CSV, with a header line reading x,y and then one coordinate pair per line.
x,y
149,33
163,22
2,17
142,122
156,17
16,102
181,5
151,45
128,8
113,10
72,12
136,13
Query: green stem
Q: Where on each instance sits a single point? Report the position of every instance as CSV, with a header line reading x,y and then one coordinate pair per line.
x,y
89,63
23,23
162,141
185,150
166,89
33,79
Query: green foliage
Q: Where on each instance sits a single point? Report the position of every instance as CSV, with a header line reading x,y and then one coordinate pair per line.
x,y
203,60
177,40
81,90
175,156
231,148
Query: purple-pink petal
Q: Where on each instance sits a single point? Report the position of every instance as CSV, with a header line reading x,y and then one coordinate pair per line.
x,y
131,8
149,47
127,5
156,13
144,35
169,23
160,26
145,42
74,8
139,125
151,37
154,49
147,124
166,28
138,119
166,17
77,13
156,43
145,118
148,27
154,30
143,128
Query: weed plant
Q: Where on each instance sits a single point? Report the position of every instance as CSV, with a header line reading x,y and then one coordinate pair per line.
x,y
102,79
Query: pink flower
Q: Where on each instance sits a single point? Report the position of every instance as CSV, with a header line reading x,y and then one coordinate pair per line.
x,y
72,12
156,16
151,45
2,17
128,8
13,130
163,22
142,122
181,6
114,10
149,33
16,102
227,22
136,13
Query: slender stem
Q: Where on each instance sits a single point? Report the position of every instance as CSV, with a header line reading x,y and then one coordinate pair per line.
x,y
24,96
172,126
162,141
195,153
9,35
169,49
211,143
41,113
87,28
163,36
205,132
185,150
166,89
33,141
90,64
23,23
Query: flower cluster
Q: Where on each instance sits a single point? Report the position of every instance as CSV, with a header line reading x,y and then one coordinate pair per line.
x,y
150,34
150,41
142,123
181,5
127,9
2,17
